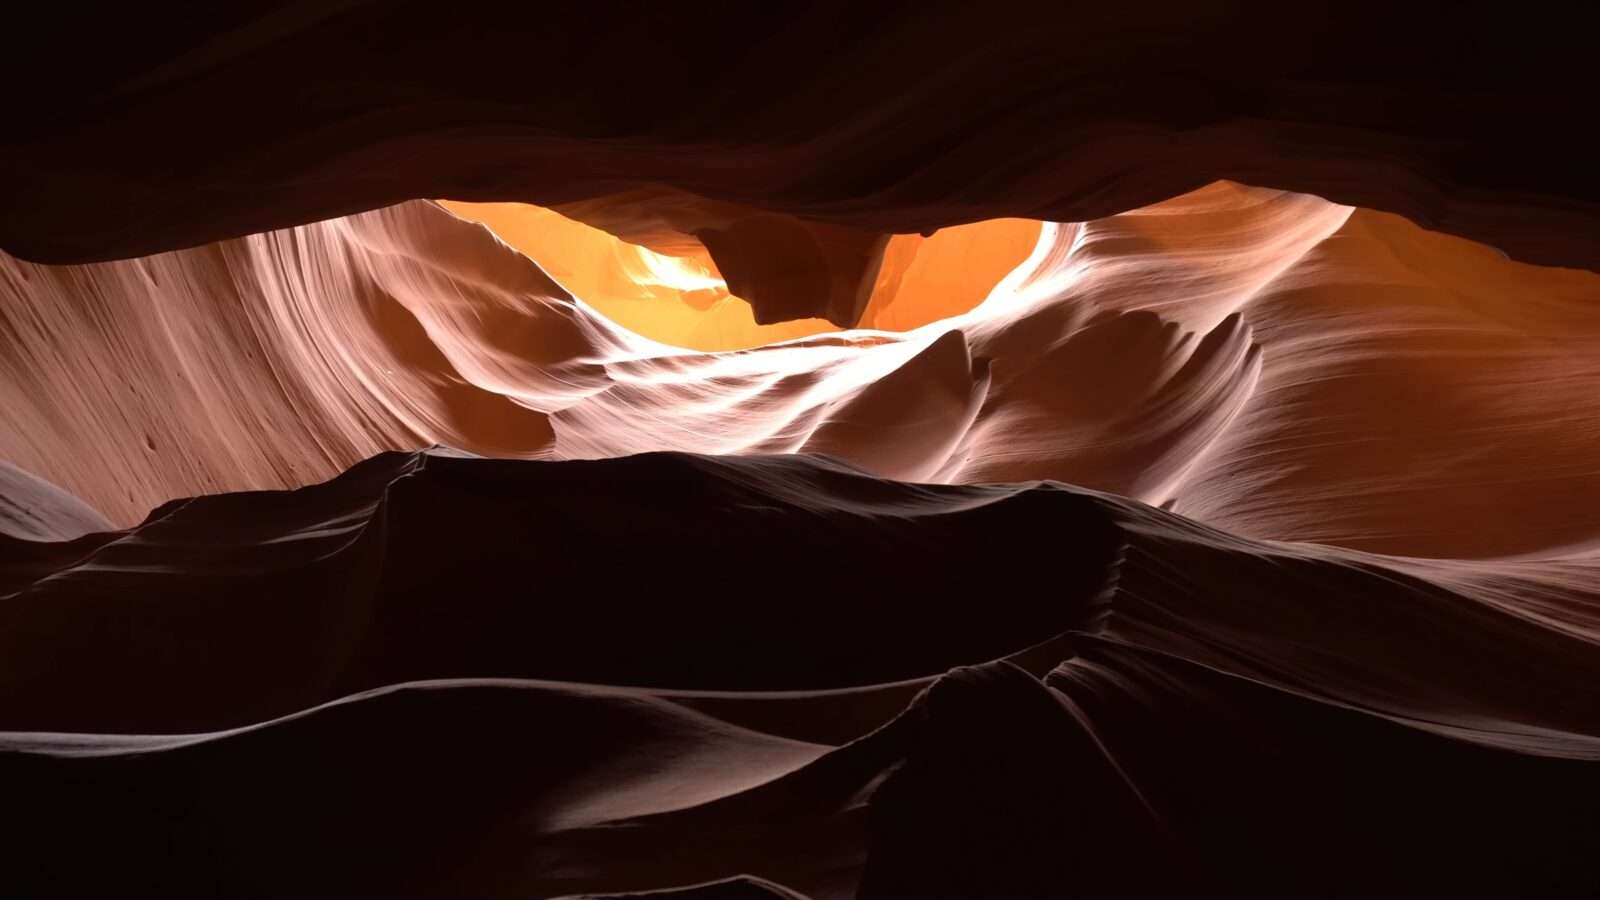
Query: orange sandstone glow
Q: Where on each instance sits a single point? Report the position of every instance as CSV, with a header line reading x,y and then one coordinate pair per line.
x,y
683,301
1170,354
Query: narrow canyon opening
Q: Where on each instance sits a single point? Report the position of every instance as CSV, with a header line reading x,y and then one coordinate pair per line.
x,y
683,300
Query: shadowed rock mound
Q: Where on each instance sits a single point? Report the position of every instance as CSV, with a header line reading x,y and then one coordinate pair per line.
x,y
1190,709
776,574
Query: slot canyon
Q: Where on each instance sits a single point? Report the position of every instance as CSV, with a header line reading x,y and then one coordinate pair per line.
x,y
808,451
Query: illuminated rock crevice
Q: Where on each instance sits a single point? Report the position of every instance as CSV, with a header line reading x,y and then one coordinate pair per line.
x,y
1263,361
682,299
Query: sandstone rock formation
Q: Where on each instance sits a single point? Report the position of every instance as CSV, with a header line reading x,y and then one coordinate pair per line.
x,y
881,451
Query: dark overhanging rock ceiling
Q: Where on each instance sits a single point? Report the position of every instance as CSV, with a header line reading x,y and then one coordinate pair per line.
x,y
804,132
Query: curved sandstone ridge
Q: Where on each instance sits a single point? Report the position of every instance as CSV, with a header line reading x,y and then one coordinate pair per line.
x,y
429,674
1269,363
792,141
